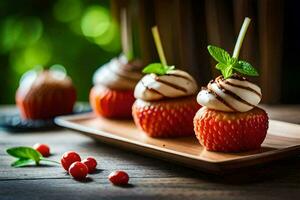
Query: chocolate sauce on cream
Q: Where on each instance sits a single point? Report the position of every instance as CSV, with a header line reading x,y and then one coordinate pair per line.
x,y
233,94
171,84
119,74
175,83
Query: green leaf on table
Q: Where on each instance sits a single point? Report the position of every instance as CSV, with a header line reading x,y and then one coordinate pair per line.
x,y
246,68
27,156
220,55
23,162
25,153
157,68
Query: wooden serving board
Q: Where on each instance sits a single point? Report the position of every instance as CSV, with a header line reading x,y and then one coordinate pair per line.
x,y
283,139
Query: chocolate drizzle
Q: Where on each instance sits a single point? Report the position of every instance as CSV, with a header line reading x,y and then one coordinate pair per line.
x,y
175,84
171,84
151,89
243,87
180,76
221,83
220,99
126,68
233,95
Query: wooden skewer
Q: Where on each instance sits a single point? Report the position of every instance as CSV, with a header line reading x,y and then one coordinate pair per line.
x,y
241,37
158,45
126,35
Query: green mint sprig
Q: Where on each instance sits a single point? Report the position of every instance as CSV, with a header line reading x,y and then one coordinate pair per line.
x,y
161,68
228,64
157,68
27,156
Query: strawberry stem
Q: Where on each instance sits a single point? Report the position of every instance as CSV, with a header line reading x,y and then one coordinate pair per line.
x,y
158,45
241,37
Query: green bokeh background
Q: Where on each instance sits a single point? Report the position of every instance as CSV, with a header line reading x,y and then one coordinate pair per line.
x,y
80,35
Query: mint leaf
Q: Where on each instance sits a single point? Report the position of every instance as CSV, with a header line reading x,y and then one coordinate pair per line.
x,y
221,66
219,55
246,68
227,64
227,72
27,156
157,68
25,153
22,162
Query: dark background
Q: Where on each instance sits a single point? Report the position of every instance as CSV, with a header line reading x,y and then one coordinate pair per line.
x,y
291,53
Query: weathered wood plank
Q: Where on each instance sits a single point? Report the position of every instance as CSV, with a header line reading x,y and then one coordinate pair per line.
x,y
150,178
143,189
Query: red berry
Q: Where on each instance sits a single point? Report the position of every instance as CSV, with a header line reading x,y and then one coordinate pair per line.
x,y
43,149
68,158
119,178
78,170
91,163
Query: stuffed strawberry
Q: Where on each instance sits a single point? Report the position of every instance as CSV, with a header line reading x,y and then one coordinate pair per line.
x,y
45,94
166,101
112,93
230,120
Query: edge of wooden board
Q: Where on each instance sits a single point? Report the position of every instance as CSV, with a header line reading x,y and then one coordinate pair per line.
x,y
216,167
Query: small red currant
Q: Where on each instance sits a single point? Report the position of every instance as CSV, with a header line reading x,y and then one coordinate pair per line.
x,y
78,170
68,158
91,163
119,178
43,149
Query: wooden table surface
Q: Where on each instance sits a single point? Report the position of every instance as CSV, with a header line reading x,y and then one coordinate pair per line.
x,y
150,178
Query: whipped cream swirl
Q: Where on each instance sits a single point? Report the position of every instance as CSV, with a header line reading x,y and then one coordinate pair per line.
x,y
235,94
175,83
119,74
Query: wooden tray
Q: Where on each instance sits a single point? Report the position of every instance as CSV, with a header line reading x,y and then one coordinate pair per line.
x,y
283,139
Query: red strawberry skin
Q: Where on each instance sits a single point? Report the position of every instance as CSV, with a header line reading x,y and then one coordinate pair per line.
x,y
111,103
45,101
166,118
231,131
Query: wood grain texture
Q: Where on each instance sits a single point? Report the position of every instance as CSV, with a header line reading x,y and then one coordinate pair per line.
x,y
150,178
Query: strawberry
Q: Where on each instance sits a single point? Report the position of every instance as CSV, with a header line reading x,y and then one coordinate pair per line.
x,y
111,103
45,101
231,131
166,118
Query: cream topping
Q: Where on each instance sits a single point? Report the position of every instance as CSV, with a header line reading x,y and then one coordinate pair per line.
x,y
33,79
175,83
119,74
235,94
